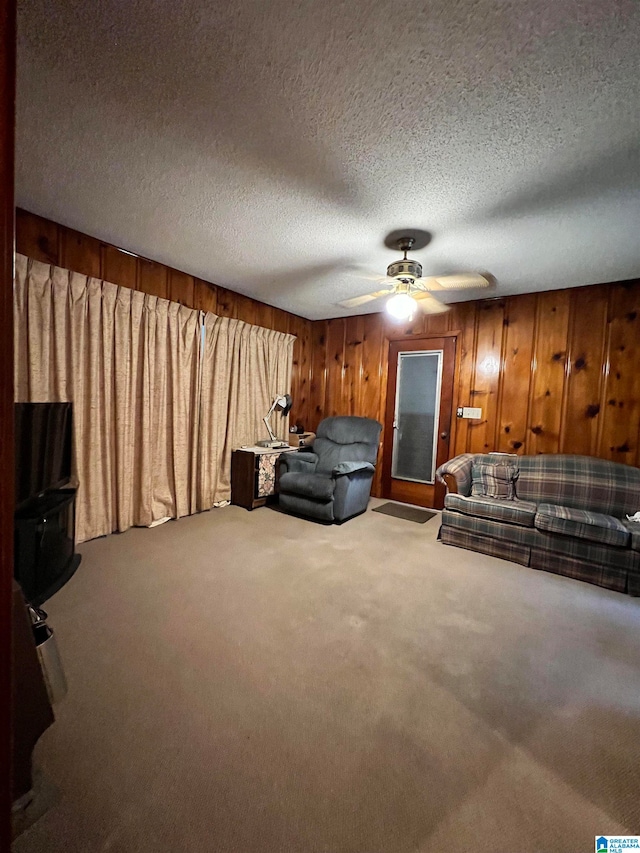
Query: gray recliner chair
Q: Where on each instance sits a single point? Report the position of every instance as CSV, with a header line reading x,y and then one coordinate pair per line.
x,y
332,481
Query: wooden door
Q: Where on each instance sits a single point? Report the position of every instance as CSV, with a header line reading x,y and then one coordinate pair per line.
x,y
418,418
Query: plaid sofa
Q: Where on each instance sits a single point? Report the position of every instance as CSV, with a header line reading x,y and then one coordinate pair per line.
x,y
567,515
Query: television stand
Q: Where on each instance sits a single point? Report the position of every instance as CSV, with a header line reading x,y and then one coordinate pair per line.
x,y
45,553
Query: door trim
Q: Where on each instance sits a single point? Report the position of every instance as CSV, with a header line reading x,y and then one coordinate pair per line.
x,y
432,336
419,342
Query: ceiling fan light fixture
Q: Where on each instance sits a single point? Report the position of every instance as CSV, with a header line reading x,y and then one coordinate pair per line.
x,y
407,289
401,306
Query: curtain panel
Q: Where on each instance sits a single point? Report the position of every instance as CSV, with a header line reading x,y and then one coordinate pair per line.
x,y
161,393
244,368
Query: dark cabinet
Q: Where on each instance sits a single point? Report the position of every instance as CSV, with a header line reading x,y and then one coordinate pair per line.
x,y
44,553
254,472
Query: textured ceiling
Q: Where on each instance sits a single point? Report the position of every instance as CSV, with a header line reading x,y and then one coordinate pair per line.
x,y
269,147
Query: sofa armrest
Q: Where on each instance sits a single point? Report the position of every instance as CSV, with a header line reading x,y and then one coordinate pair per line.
x,y
351,467
451,483
457,471
303,463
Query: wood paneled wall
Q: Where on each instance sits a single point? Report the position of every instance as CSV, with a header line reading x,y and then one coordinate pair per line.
x,y
51,243
554,372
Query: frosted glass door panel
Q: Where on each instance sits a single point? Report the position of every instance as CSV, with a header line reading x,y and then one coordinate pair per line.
x,y
419,377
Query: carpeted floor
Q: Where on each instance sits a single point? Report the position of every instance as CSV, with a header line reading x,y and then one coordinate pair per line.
x,y
254,682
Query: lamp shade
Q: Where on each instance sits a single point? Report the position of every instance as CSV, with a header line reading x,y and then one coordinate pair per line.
x,y
402,306
285,402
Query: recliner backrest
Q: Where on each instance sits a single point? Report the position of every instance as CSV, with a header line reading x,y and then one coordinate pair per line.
x,y
346,439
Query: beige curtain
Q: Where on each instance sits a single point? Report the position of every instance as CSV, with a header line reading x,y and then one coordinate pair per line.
x,y
244,368
147,389
129,363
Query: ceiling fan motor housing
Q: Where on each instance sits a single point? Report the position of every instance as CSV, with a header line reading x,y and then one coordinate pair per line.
x,y
405,268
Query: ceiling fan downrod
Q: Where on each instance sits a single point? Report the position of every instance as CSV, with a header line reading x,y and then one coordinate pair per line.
x,y
405,270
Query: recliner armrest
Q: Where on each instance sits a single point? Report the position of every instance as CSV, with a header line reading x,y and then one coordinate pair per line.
x,y
303,463
351,467
307,448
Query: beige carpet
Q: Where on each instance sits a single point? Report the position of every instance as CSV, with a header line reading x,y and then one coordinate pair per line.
x,y
255,682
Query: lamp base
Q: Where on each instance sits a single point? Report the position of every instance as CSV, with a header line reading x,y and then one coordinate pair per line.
x,y
274,445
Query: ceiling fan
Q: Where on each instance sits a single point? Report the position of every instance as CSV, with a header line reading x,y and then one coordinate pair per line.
x,y
406,288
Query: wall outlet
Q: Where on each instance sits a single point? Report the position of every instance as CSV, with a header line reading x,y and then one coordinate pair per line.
x,y
471,412
459,412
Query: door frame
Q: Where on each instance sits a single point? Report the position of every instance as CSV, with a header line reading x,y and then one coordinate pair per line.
x,y
387,444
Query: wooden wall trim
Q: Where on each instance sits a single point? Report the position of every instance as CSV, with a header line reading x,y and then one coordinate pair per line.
x,y
52,243
7,127
449,334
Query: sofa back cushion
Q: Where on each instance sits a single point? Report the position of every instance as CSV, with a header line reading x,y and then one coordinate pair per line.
x,y
582,482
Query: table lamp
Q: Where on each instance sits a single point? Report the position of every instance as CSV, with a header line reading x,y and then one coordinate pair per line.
x,y
283,402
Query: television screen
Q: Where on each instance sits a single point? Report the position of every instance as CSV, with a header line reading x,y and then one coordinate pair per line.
x,y
43,434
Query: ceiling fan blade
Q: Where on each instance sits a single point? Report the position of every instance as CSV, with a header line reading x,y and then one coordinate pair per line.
x,y
458,281
366,274
429,304
362,300
380,279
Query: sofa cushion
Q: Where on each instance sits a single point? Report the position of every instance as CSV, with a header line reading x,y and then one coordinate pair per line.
x,y
310,485
515,512
493,480
582,524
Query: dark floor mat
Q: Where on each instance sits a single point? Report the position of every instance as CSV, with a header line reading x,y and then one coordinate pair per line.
x,y
410,513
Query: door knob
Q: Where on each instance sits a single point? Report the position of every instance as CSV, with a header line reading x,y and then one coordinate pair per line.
x,y
444,434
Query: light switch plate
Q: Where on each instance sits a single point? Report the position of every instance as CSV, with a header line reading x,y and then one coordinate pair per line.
x,y
471,412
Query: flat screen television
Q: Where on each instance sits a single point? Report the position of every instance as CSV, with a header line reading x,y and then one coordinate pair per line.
x,y
43,437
